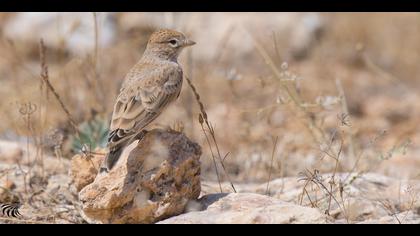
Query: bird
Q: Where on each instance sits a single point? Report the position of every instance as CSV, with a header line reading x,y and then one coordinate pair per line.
x,y
153,83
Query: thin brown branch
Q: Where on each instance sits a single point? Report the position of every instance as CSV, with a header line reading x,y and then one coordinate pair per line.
x,y
271,164
45,78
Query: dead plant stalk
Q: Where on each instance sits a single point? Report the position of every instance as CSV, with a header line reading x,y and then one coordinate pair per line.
x,y
203,119
45,78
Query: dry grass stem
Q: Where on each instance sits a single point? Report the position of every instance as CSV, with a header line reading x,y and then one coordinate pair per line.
x,y
271,165
203,119
315,131
45,78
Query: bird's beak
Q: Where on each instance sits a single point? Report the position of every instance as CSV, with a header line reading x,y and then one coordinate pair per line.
x,y
188,43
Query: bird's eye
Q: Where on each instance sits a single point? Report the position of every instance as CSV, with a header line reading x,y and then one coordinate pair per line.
x,y
173,42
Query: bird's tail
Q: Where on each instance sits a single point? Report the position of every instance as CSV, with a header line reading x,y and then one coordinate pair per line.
x,y
115,152
111,158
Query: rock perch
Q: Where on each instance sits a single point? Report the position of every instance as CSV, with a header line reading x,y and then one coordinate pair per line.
x,y
154,179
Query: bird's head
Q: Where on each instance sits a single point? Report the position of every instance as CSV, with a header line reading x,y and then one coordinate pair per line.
x,y
167,44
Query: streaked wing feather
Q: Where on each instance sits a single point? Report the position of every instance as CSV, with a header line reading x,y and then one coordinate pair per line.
x,y
133,112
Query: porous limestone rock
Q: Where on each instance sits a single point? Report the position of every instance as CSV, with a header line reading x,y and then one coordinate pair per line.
x,y
155,178
84,168
365,197
247,208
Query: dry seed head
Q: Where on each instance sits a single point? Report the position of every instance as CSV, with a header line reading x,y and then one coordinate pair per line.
x,y
284,66
27,108
55,137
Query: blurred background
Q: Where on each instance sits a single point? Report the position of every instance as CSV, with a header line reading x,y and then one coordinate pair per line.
x,y
285,92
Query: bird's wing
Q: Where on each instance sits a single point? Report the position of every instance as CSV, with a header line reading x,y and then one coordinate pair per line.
x,y
141,101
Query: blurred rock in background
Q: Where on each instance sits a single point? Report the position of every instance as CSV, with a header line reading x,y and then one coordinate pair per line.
x,y
73,31
222,31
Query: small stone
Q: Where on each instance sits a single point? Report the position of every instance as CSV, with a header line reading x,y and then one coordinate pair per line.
x,y
7,194
9,185
84,168
10,151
